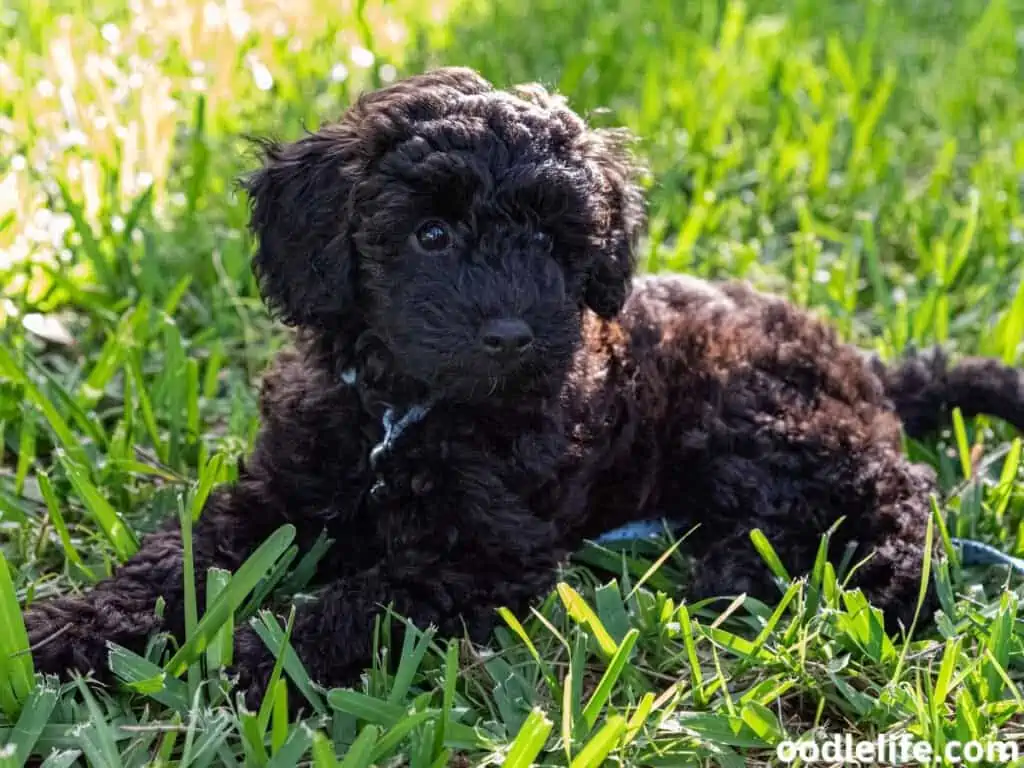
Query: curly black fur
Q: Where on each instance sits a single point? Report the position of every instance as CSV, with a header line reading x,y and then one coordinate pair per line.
x,y
394,240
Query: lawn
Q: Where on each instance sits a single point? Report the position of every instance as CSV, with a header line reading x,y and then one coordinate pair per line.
x,y
864,158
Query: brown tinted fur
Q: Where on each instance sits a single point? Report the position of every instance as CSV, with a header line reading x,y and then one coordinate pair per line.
x,y
709,404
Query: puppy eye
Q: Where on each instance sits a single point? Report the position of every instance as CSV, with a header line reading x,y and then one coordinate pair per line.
x,y
541,238
433,236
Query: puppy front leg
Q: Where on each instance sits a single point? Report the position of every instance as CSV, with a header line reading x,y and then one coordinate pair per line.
x,y
72,632
456,590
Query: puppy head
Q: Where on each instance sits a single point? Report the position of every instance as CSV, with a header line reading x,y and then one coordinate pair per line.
x,y
464,228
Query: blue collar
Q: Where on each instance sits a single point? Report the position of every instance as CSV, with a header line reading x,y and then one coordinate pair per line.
x,y
393,423
393,428
979,553
972,552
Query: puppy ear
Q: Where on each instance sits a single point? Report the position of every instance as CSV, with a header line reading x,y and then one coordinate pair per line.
x,y
623,214
299,203
301,199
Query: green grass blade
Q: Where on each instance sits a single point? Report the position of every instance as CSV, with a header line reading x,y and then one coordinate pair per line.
x,y
10,369
16,669
690,647
962,446
414,648
210,474
530,740
144,677
273,636
583,614
35,714
131,330
451,679
388,743
768,554
268,705
98,739
323,751
1011,466
360,754
602,743
62,759
610,678
220,652
278,717
191,607
57,520
293,749
1013,330
379,712
252,738
639,717
242,583
120,536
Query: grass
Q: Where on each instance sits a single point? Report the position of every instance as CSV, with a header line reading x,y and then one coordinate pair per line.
x,y
864,158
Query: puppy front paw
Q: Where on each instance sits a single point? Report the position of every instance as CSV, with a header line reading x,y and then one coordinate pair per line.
x,y
61,647
254,664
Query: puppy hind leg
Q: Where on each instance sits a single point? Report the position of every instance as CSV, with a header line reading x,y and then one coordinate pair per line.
x,y
885,509
728,565
891,536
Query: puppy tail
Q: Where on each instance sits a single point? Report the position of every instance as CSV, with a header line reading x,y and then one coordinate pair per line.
x,y
926,387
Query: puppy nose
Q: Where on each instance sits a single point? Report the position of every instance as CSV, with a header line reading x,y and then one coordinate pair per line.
x,y
505,337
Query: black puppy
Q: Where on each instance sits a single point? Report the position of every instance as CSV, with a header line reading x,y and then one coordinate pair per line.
x,y
475,390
